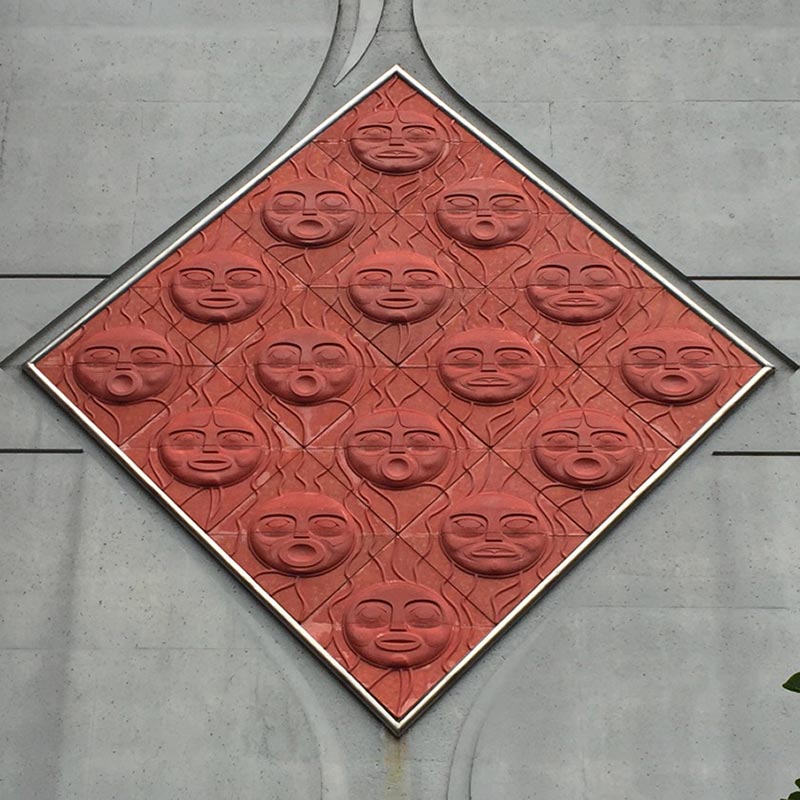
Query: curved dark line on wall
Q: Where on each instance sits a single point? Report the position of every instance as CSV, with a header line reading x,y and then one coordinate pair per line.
x,y
589,203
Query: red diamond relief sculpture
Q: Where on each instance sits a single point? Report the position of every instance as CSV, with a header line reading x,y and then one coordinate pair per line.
x,y
397,384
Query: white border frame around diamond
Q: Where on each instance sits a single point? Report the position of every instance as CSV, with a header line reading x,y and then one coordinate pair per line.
x,y
395,725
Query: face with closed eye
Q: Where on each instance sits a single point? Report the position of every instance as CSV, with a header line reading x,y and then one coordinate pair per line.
x,y
219,286
306,366
671,366
125,365
484,212
301,534
494,535
397,287
576,288
398,449
211,447
585,448
489,365
311,212
399,624
398,142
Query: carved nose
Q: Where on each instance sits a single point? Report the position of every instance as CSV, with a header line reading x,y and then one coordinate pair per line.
x,y
396,141
488,367
574,287
124,365
585,448
484,212
218,287
671,365
210,447
397,625
397,448
493,535
300,533
306,367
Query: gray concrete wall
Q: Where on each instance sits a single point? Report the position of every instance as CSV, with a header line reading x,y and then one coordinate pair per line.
x,y
134,667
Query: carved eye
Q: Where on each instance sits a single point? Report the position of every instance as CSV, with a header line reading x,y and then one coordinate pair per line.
x,y
513,358
420,277
374,132
234,439
329,356
519,524
508,202
287,201
326,525
468,524
374,440
373,614
461,202
333,201
276,524
240,276
561,440
597,275
418,132
374,277
101,355
552,276
463,358
696,355
149,355
609,439
648,355
187,439
282,356
199,277
419,440
423,614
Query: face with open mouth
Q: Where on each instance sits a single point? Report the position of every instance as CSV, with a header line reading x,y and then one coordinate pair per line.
x,y
307,366
311,213
301,534
398,449
484,212
398,141
220,286
585,448
125,365
399,624
576,288
671,366
211,447
397,287
495,535
489,365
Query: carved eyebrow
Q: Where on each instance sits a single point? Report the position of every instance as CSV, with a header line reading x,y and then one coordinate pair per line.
x,y
611,431
418,125
328,344
597,266
512,349
468,515
198,431
328,516
702,347
238,430
519,515
364,433
423,431
190,268
507,196
284,344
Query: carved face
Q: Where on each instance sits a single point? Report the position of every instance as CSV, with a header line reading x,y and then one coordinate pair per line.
x,y
307,366
671,366
398,141
301,533
311,212
211,447
489,365
484,212
495,535
219,286
399,624
125,365
576,288
397,287
585,448
398,449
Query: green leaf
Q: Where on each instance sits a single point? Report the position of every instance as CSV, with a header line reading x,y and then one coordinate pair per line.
x,y
793,684
794,796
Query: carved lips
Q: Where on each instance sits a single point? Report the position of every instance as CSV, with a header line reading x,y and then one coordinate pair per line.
x,y
494,534
398,141
671,366
220,286
301,533
311,212
398,449
489,365
125,365
307,366
397,287
399,624
484,212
